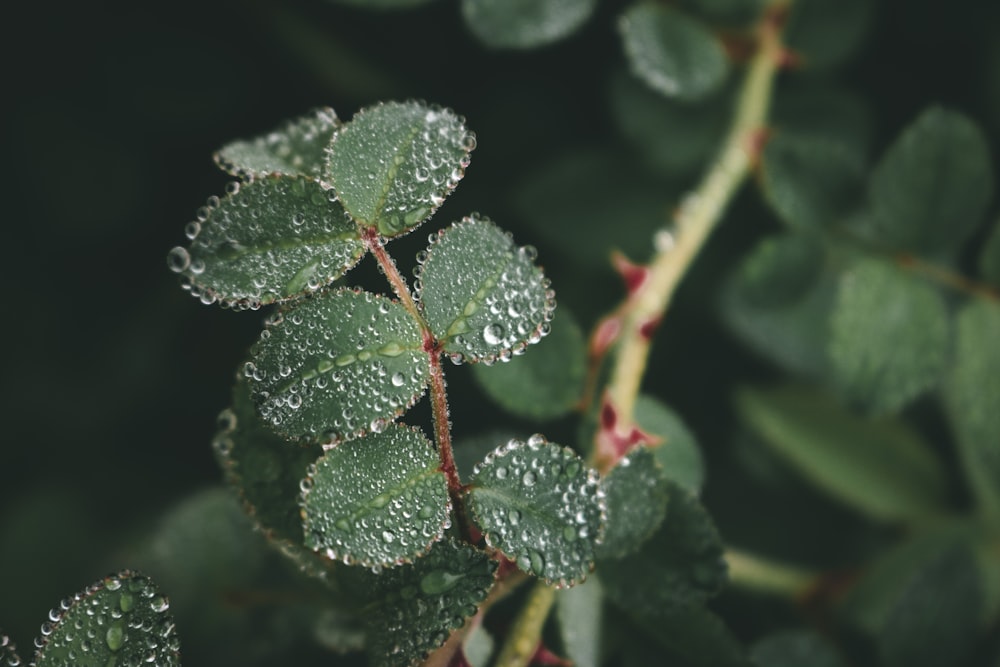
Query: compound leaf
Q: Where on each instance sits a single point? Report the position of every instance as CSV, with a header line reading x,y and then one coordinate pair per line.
x,y
811,183
679,567
268,240
337,365
878,467
483,297
416,606
524,24
394,163
297,148
677,453
932,186
541,506
121,619
889,335
377,500
971,392
636,493
673,53
548,386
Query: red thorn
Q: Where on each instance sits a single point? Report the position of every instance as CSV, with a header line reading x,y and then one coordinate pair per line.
x,y
506,567
547,658
475,535
605,334
757,141
608,416
648,328
789,59
633,274
613,442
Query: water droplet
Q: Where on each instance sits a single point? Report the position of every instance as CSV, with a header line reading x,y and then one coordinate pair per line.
x,y
528,479
436,582
178,260
115,636
388,536
398,379
493,334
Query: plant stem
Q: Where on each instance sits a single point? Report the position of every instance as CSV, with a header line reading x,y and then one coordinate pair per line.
x,y
388,266
523,638
697,216
754,573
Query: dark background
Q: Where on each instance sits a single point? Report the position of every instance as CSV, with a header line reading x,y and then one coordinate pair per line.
x,y
111,376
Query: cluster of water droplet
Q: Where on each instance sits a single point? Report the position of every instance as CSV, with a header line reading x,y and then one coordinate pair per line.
x,y
121,620
413,156
266,241
8,652
297,147
337,365
422,603
543,508
376,501
483,296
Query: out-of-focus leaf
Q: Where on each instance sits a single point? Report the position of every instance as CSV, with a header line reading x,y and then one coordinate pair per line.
x,y
394,163
121,619
671,136
383,4
889,336
879,467
297,148
268,240
415,607
823,112
674,54
637,494
579,611
678,454
541,506
794,649
337,365
483,297
780,270
933,185
525,24
727,12
972,396
377,500
989,257
339,631
826,33
550,383
811,183
478,646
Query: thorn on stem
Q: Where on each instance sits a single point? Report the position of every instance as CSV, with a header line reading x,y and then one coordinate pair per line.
x,y
604,336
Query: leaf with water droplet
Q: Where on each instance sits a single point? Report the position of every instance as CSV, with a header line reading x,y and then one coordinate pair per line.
x,y
268,240
122,619
679,566
264,468
297,148
677,450
525,24
484,297
394,163
547,386
637,494
672,52
377,500
415,607
327,367
879,467
889,336
541,506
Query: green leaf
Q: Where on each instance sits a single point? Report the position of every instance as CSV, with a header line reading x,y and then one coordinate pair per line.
x,y
933,185
826,33
636,493
525,24
681,566
728,12
811,183
265,469
673,53
972,397
678,453
671,136
415,607
340,631
378,500
478,646
794,648
483,297
691,636
989,258
579,611
297,148
780,269
8,651
337,365
879,467
823,112
394,163
541,506
889,334
550,384
121,619
268,240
